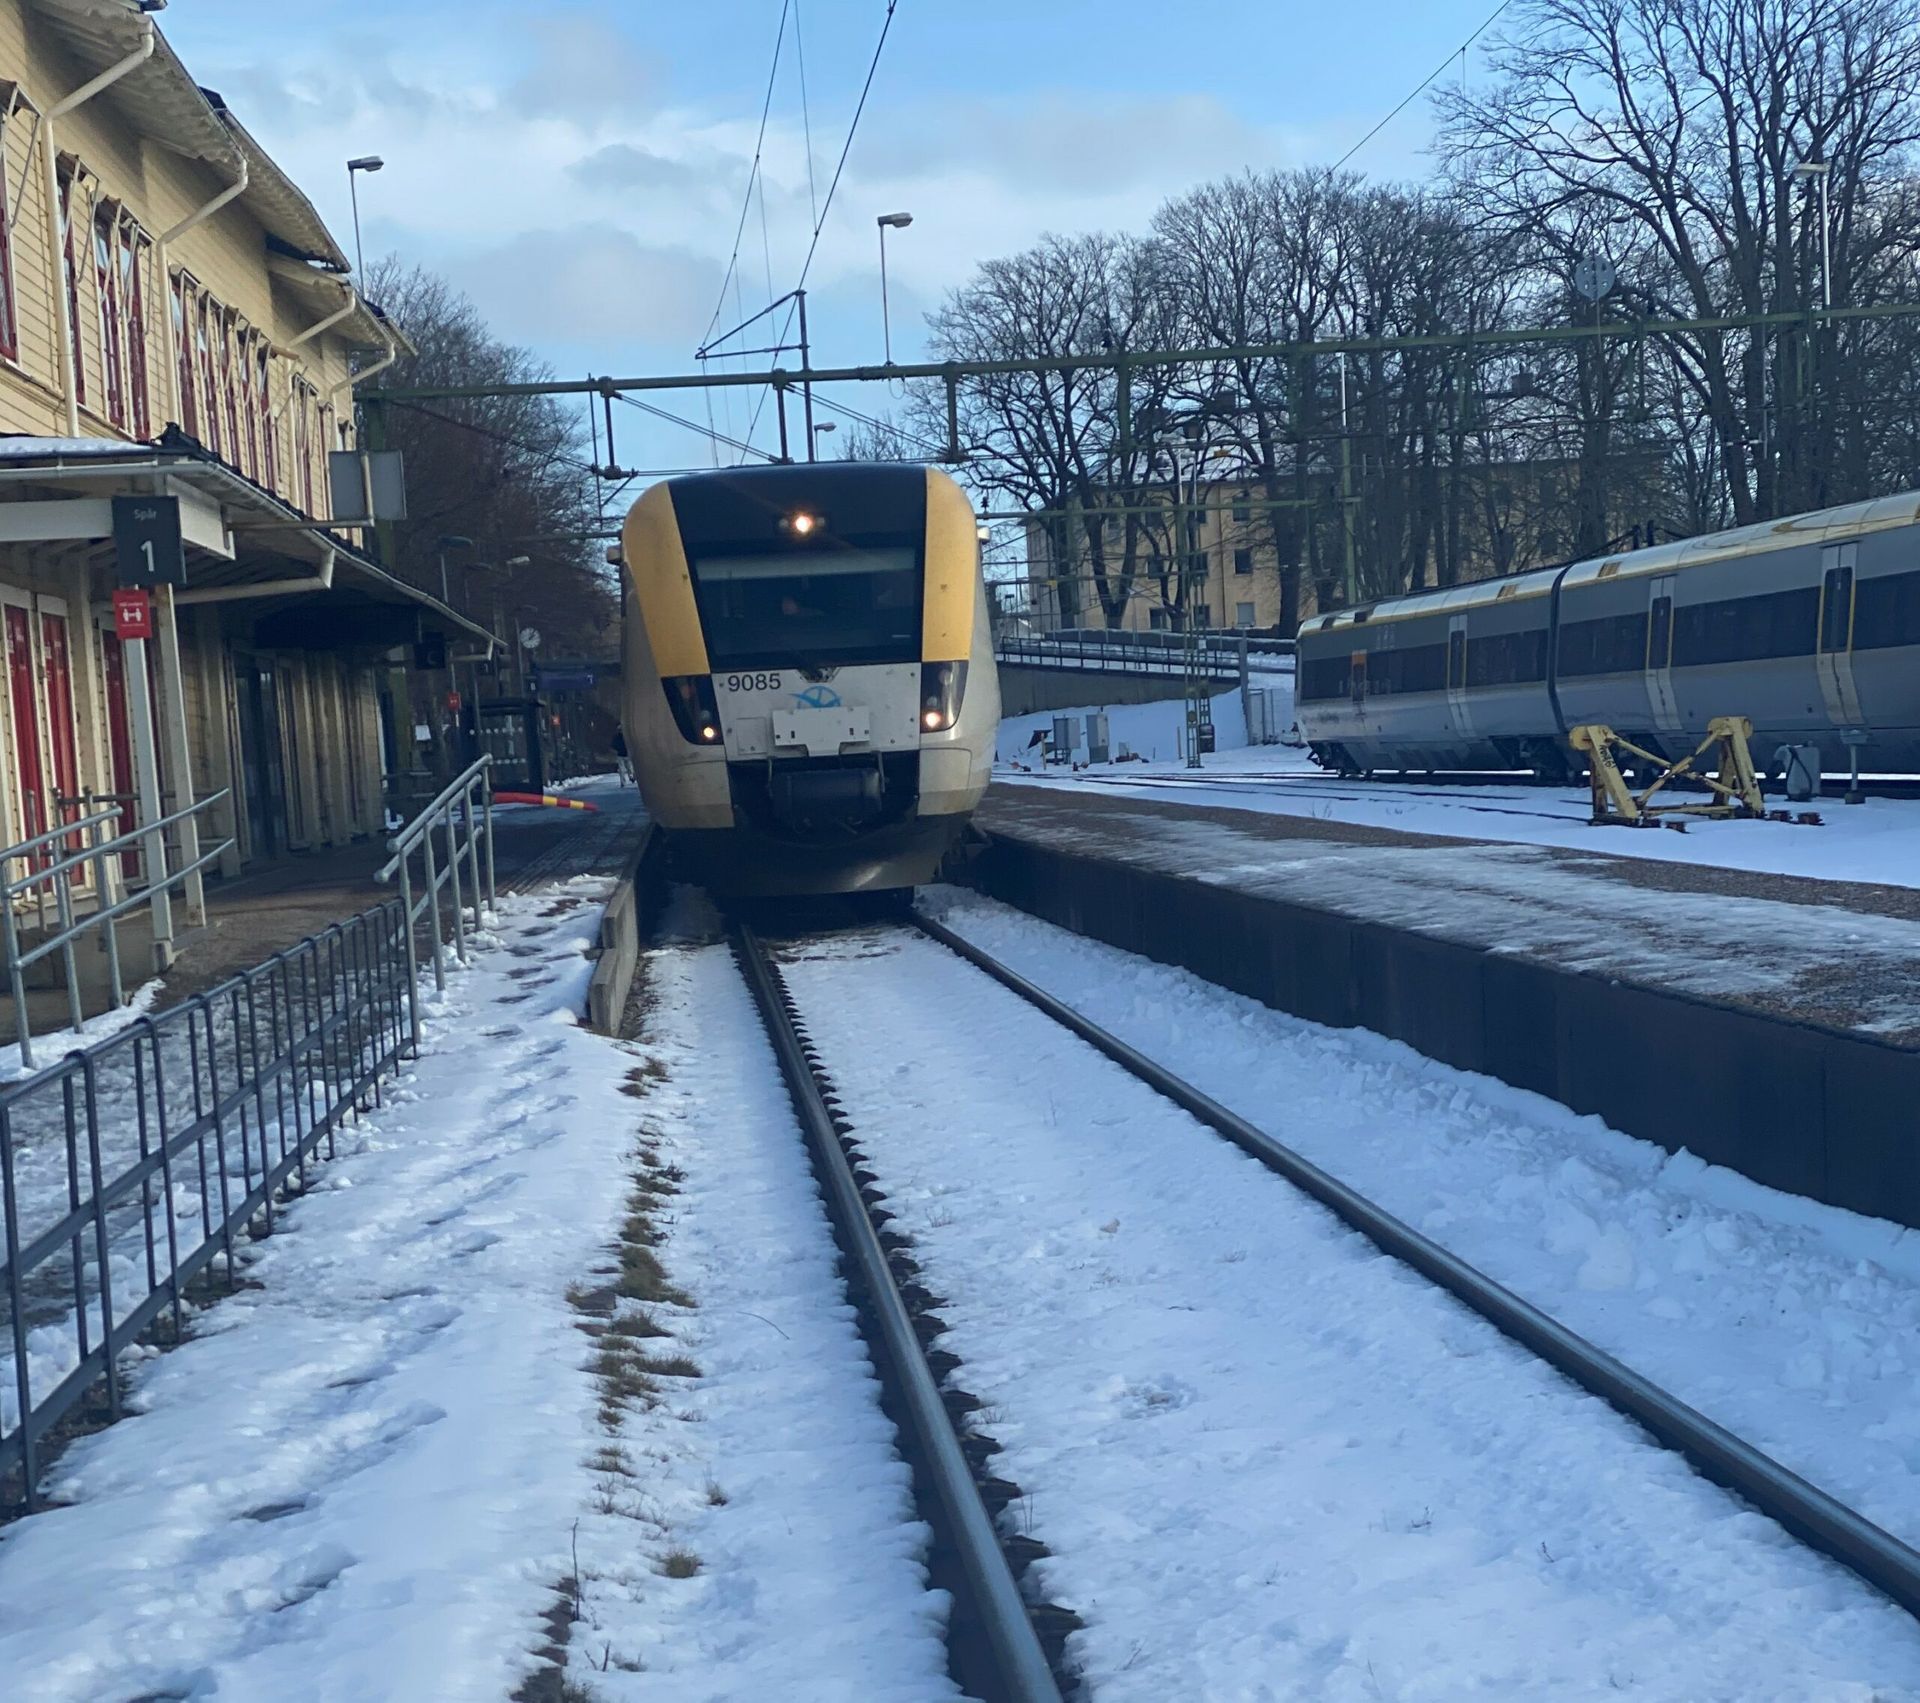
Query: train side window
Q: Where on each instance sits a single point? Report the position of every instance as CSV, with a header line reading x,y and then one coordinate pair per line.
x,y
1357,677
1836,609
1660,633
1456,658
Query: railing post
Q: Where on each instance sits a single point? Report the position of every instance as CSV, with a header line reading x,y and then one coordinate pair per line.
x,y
23,1028
413,949
63,909
108,889
486,783
433,902
473,854
16,1305
453,875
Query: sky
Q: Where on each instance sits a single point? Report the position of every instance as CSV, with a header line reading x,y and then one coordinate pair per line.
x,y
579,169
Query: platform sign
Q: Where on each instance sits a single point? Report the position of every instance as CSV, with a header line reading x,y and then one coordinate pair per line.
x,y
132,614
146,541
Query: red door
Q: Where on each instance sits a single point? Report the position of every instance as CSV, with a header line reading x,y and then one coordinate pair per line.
x,y
26,723
120,739
58,671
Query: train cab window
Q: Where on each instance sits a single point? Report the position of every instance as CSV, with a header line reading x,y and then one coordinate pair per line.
x,y
1836,608
1660,633
817,608
1456,658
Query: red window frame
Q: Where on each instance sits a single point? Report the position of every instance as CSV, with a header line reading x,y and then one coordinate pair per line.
x,y
9,322
304,397
229,336
133,244
106,278
72,280
209,387
183,357
263,402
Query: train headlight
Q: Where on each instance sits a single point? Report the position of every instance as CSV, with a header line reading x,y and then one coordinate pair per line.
x,y
943,686
695,712
802,523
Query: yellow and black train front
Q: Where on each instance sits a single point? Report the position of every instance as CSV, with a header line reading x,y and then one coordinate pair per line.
x,y
810,689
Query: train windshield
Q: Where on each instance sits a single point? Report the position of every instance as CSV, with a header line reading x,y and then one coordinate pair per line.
x,y
825,608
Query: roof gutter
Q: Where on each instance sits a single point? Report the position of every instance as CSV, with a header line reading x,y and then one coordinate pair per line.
x,y
56,248
365,373
322,581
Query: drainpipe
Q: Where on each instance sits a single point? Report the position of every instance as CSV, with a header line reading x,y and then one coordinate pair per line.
x,y
312,331
169,342
365,373
56,254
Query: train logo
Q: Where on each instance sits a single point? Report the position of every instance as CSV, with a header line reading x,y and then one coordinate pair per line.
x,y
818,698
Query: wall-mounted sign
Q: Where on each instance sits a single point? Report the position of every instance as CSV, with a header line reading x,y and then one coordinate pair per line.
x,y
146,541
132,614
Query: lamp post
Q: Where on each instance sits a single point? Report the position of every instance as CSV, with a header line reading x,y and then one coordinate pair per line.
x,y
898,222
450,541
1820,170
366,162
824,426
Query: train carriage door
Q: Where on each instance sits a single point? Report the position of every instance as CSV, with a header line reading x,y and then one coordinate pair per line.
x,y
1457,673
1835,656
1661,702
23,697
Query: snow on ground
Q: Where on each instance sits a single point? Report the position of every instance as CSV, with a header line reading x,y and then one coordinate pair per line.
x,y
1269,1462
1794,1324
1875,841
367,1473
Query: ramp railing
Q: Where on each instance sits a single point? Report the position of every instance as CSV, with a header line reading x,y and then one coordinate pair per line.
x,y
65,884
455,829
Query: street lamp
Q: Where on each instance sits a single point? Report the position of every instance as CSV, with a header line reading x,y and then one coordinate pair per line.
x,y
824,426
1820,169
366,162
899,222
450,541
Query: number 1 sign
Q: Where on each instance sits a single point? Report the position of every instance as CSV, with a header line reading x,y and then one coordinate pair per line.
x,y
146,541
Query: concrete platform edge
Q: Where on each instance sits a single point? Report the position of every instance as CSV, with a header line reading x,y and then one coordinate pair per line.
x,y
1812,1110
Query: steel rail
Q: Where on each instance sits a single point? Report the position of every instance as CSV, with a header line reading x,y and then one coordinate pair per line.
x,y
1020,1663
1809,1513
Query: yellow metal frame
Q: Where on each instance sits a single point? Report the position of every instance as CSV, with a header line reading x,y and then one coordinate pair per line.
x,y
1735,782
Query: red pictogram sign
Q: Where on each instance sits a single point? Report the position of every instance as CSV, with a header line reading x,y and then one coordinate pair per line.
x,y
132,614
453,702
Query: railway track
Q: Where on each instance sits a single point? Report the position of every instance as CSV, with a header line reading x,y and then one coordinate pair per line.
x,y
949,1456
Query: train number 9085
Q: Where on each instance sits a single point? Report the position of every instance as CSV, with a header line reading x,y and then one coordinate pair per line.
x,y
752,682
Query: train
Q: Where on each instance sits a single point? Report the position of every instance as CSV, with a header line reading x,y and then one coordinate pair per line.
x,y
809,696
1808,626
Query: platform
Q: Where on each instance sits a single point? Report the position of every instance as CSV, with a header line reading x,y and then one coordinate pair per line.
x,y
1767,1023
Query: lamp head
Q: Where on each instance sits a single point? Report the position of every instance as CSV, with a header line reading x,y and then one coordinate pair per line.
x,y
899,221
366,162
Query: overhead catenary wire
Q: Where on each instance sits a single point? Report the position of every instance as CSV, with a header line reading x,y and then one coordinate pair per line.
x,y
826,207
806,118
746,200
1426,82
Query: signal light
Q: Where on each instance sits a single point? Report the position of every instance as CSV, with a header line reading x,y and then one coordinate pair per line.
x,y
801,523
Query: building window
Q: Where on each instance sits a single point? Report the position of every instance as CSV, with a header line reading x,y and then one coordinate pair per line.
x,y
1202,615
1243,561
134,247
228,332
205,323
263,406
70,278
9,319
183,356
304,398
1156,620
1197,564
106,280
1241,514
1243,614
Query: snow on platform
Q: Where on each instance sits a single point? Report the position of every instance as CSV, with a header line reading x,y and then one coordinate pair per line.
x,y
1844,955
1269,1462
1878,841
368,1473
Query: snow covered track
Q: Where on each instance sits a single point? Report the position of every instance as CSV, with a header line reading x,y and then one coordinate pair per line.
x,y
1183,1429
991,1611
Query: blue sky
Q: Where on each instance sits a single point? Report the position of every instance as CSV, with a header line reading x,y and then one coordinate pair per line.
x,y
578,169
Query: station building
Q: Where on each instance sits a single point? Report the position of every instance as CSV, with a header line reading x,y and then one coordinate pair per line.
x,y
176,320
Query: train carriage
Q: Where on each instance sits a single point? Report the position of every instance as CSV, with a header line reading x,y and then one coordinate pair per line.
x,y
1808,626
810,691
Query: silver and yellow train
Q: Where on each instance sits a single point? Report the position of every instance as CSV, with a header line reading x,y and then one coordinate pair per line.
x,y
810,692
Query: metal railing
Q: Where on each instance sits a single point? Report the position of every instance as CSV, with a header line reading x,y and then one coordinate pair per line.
x,y
463,816
53,877
1133,653
134,1166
